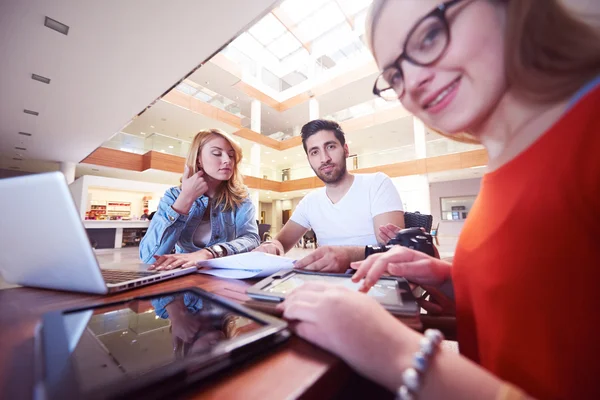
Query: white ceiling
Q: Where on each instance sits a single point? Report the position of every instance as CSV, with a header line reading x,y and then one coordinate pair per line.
x,y
171,120
118,57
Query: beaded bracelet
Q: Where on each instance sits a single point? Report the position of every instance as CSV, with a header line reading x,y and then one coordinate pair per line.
x,y
412,377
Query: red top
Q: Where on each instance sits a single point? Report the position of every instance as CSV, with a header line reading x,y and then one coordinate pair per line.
x,y
527,269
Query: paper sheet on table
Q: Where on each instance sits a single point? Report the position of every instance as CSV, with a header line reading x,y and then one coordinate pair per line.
x,y
245,265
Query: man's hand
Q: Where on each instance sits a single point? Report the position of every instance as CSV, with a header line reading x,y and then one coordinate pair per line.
x,y
181,260
388,232
326,259
273,247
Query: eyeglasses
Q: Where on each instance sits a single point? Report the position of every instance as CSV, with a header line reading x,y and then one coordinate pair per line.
x,y
425,44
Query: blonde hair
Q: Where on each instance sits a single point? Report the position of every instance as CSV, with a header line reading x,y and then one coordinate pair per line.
x,y
232,192
550,54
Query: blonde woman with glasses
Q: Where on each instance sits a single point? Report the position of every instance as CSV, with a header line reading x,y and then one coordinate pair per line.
x,y
521,77
210,215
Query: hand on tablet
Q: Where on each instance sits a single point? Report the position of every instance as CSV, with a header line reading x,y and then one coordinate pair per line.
x,y
326,259
181,260
353,326
417,267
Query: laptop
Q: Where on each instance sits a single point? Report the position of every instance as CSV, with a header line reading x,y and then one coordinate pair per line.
x,y
43,242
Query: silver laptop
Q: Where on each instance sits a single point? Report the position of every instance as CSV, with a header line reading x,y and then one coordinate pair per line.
x,y
43,242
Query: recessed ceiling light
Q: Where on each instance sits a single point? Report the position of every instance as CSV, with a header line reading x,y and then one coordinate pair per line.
x,y
268,197
24,133
207,82
285,158
163,150
26,111
56,26
40,78
151,126
349,142
304,192
20,148
142,133
272,160
267,152
170,147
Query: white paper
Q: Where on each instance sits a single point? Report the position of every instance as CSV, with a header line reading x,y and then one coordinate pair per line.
x,y
245,265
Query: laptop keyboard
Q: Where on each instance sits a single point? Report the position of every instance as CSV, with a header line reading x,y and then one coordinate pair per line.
x,y
117,276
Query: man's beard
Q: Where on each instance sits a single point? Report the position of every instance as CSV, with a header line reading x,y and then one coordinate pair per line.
x,y
336,175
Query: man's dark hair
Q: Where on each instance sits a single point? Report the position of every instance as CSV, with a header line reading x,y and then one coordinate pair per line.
x,y
318,125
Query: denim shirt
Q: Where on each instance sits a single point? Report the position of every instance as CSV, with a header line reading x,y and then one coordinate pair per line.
x,y
236,231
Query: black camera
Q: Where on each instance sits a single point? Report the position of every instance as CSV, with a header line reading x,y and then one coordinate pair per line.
x,y
413,238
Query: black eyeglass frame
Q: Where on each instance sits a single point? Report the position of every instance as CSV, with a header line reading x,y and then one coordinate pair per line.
x,y
440,13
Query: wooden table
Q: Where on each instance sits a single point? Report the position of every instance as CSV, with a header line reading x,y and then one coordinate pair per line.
x,y
296,369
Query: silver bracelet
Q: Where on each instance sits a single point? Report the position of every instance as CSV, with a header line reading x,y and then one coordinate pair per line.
x,y
412,377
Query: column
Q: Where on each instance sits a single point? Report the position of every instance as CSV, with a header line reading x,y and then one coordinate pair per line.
x,y
313,109
255,110
419,134
255,202
68,170
297,130
255,171
418,197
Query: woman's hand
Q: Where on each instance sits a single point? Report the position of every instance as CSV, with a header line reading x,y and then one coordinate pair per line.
x,y
353,326
181,260
415,266
192,187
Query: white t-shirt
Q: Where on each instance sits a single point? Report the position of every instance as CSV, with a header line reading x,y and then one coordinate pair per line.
x,y
349,222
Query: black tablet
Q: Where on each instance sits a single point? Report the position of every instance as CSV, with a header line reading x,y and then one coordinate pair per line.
x,y
147,347
393,293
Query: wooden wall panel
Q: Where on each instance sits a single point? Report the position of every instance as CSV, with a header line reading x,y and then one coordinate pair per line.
x,y
289,143
293,101
301,184
475,158
167,162
257,94
258,138
115,159
163,162
264,184
443,163
414,167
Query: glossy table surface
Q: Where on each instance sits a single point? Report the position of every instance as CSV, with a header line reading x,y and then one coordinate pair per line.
x,y
295,369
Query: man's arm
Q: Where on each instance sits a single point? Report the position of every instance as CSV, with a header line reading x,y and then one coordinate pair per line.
x,y
393,217
289,235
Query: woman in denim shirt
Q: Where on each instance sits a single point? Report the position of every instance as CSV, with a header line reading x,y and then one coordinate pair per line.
x,y
210,215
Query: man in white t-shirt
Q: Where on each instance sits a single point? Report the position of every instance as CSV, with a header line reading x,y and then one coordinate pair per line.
x,y
346,214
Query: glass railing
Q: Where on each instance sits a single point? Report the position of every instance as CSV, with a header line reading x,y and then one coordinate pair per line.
x,y
165,144
206,95
443,146
362,109
153,142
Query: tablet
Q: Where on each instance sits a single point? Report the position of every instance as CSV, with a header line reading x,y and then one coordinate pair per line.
x,y
147,347
392,292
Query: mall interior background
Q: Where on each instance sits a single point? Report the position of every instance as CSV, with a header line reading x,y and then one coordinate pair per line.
x,y
123,103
